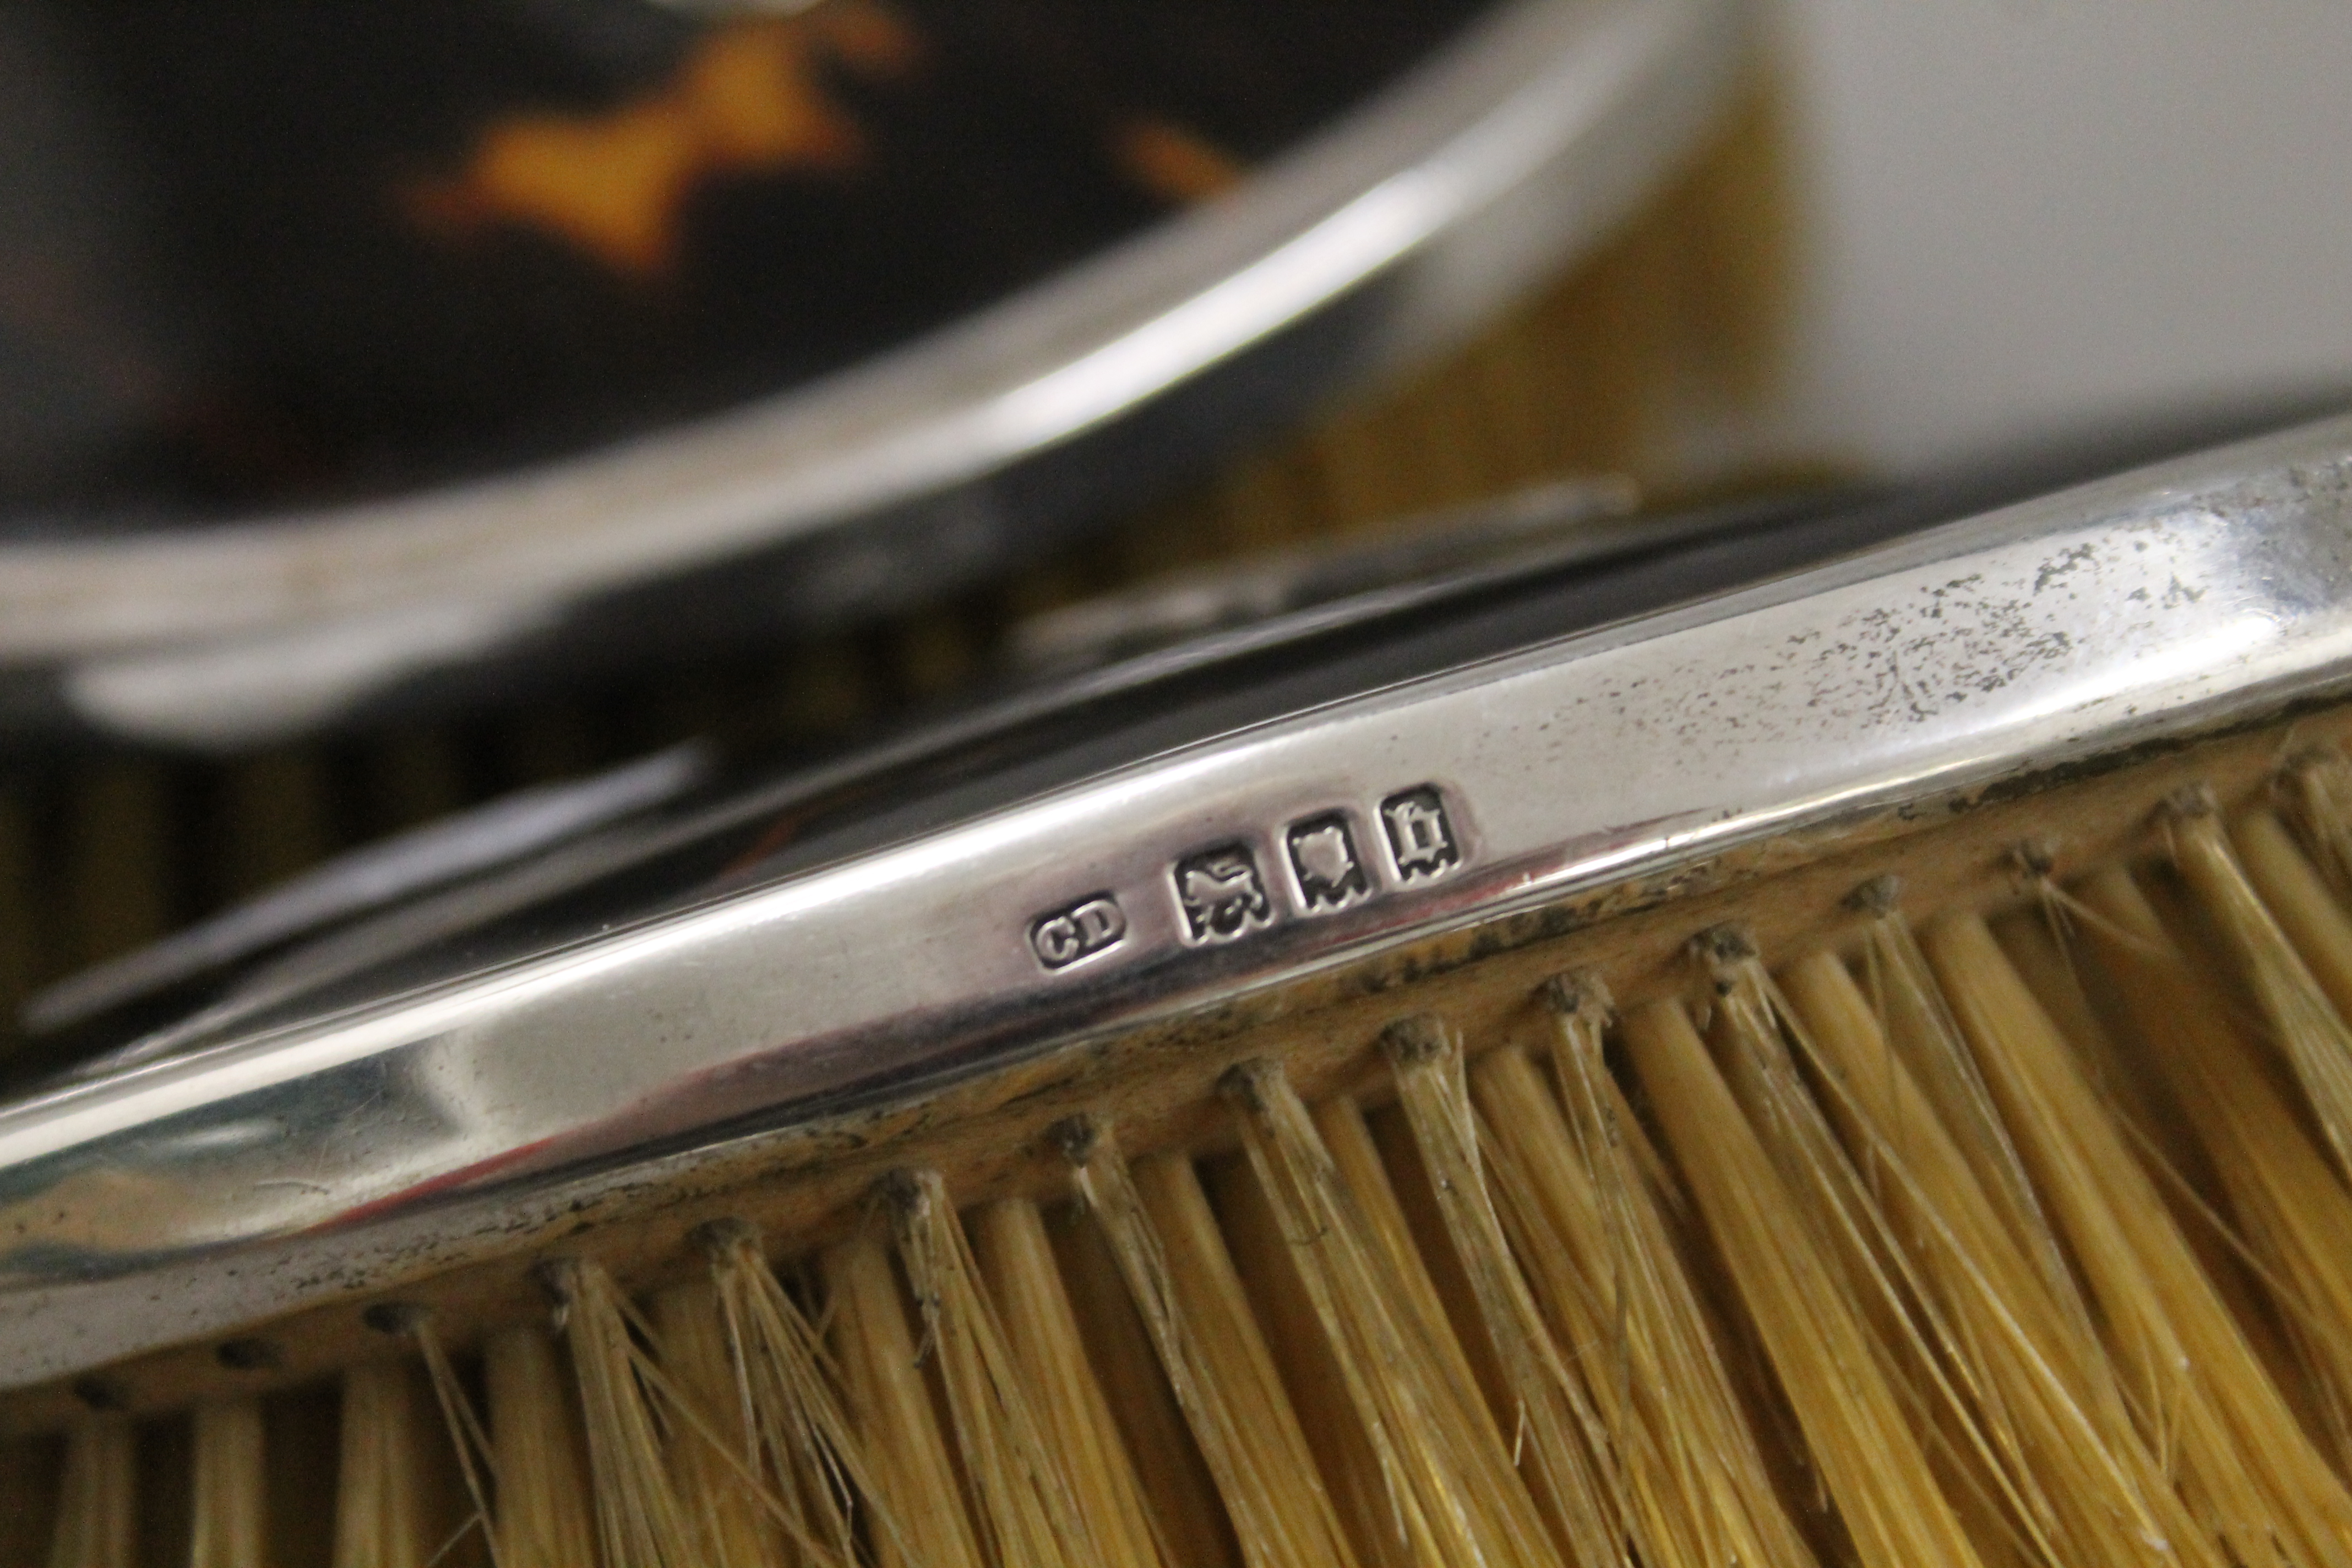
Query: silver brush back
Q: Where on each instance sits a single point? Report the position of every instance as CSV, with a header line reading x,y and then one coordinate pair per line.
x,y
808,967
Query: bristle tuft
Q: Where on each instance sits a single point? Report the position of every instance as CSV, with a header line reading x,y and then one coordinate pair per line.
x,y
1569,1453
2304,1024
2316,791
98,1506
804,1446
230,1488
545,1518
892,1403
2200,1393
1223,1376
1024,1500
1033,1306
1453,1494
385,1512
640,1520
1856,1421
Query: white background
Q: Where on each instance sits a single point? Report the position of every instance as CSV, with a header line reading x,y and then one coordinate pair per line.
x,y
2016,213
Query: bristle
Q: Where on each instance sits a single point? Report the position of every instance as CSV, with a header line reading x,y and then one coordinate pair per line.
x,y
1447,1321
97,1504
2292,1212
384,1502
1566,1449
2303,1023
708,1464
640,1520
1178,1489
2315,788
229,1525
1024,1500
1601,1258
1182,1283
789,1392
1841,1195
545,1518
1917,1025
2293,892
1454,1494
1267,1269
2020,1341
2062,976
1016,1259
1853,1418
887,1396
469,1443
2201,1394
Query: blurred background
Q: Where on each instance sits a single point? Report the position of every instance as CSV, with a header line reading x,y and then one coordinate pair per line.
x,y
2015,212
1904,233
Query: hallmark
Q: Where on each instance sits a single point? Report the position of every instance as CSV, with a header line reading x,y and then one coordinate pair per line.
x,y
1085,928
1223,893
1420,836
1323,858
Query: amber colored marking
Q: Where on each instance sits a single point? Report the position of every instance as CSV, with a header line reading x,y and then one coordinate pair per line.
x,y
751,97
1174,164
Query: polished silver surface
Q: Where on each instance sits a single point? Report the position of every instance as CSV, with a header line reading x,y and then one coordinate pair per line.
x,y
1567,517
1525,140
198,1193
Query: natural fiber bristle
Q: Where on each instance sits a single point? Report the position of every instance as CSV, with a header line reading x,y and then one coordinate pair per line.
x,y
545,1518
892,1404
773,1384
1024,1281
1931,1246
2201,1395
1453,1496
1024,1501
1181,1281
2021,1342
709,1465
393,1505
1566,1451
1610,1277
2304,1024
2314,789
2288,1207
228,1524
98,1506
1179,1491
641,1521
1857,1422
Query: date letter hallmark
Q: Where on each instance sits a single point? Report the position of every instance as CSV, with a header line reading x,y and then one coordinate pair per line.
x,y
1420,836
1323,857
1222,892
1085,928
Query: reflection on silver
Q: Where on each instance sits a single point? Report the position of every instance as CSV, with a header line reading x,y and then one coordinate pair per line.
x,y
193,1195
1559,522
1454,189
